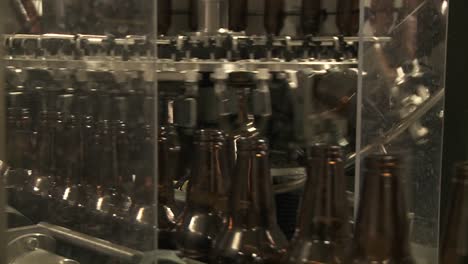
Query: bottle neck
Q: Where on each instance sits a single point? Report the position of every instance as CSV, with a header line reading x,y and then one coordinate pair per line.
x,y
382,230
324,211
252,203
208,185
169,153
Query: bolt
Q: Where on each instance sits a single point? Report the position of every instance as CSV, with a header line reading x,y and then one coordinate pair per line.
x,y
32,243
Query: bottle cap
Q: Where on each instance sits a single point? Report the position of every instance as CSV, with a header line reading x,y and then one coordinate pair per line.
x,y
382,162
324,151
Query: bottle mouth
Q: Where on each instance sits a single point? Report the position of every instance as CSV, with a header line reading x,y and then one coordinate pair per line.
x,y
322,150
209,135
252,144
382,162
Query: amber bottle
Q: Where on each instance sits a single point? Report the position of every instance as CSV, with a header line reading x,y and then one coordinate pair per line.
x,y
311,16
455,239
164,16
238,15
382,229
274,16
252,234
347,18
19,131
323,230
204,215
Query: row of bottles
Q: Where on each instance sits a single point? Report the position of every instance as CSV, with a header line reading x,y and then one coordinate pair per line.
x,y
230,214
86,159
274,16
231,218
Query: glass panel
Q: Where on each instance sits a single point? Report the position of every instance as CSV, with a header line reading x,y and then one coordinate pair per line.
x,y
81,139
190,130
401,104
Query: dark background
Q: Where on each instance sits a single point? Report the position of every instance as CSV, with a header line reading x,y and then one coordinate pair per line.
x,y
456,98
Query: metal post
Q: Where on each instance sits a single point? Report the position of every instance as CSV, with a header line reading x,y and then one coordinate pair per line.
x,y
3,225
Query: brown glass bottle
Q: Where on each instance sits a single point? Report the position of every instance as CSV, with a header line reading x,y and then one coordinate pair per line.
x,y
347,17
67,152
204,214
455,240
164,16
381,230
274,16
44,165
19,130
193,15
322,231
168,160
238,15
69,194
311,16
242,122
252,234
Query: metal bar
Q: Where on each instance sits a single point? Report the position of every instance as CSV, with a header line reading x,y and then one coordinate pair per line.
x,y
3,220
177,66
94,244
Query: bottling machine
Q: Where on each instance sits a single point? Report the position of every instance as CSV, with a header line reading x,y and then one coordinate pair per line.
x,y
111,104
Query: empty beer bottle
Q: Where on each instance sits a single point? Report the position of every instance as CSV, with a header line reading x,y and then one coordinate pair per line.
x,y
252,234
204,215
311,16
322,230
382,230
274,16
455,240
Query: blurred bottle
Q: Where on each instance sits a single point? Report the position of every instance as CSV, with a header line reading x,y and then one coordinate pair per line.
x,y
347,17
68,144
455,240
144,199
238,15
381,230
322,231
274,16
242,120
204,214
122,185
252,234
193,15
69,193
311,16
19,133
164,16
